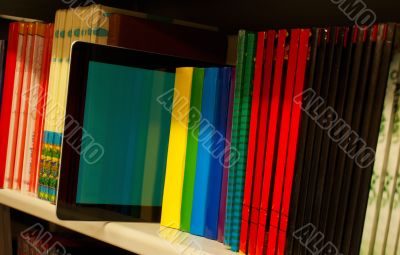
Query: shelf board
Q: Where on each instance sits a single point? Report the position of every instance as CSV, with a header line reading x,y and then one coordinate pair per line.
x,y
141,238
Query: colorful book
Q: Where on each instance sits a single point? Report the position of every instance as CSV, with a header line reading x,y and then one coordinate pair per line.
x,y
276,105
31,104
224,187
7,98
172,198
252,146
241,57
191,149
218,152
11,174
380,166
206,143
262,141
283,142
3,53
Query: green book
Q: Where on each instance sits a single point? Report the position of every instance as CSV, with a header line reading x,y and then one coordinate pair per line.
x,y
240,133
191,149
235,133
244,129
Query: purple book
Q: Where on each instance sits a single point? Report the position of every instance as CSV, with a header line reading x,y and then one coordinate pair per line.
x,y
222,208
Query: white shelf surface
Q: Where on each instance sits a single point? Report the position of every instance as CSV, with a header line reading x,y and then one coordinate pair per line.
x,y
140,238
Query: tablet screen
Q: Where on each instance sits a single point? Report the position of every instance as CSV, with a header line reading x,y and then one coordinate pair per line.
x,y
123,116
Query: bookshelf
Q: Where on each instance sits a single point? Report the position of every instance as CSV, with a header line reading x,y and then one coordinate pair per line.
x,y
141,238
253,14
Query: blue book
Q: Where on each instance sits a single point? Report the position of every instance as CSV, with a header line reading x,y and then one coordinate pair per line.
x,y
215,178
205,145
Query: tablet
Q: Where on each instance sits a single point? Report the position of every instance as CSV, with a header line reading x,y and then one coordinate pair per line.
x,y
116,133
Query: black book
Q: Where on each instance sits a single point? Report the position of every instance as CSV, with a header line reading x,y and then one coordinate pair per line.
x,y
328,145
351,96
294,201
316,86
344,75
363,175
360,122
327,94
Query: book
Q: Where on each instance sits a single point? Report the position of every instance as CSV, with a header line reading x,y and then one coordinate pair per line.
x,y
273,131
206,142
255,105
218,152
224,188
3,52
380,165
7,98
303,133
241,144
191,148
293,139
241,56
266,91
282,151
172,198
41,110
11,174
364,173
38,35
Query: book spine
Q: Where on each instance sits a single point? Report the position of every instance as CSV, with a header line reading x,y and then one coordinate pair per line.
x,y
23,108
224,188
248,187
41,109
282,151
172,198
293,139
381,156
244,126
15,109
241,51
52,107
207,140
217,164
262,141
7,97
191,151
272,133
31,110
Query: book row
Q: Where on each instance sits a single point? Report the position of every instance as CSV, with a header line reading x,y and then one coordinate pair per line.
x,y
36,82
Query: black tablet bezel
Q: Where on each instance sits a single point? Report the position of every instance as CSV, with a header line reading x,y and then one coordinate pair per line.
x,y
81,54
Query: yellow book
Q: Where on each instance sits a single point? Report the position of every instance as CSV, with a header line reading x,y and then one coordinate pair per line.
x,y
50,103
172,199
52,108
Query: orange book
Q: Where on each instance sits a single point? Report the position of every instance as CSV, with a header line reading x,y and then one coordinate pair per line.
x,y
15,108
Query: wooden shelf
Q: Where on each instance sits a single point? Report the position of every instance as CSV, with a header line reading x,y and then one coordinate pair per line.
x,y
141,238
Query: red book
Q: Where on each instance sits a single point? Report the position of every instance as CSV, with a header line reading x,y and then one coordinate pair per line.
x,y
41,108
26,92
293,140
272,133
251,151
11,60
13,113
283,142
262,141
